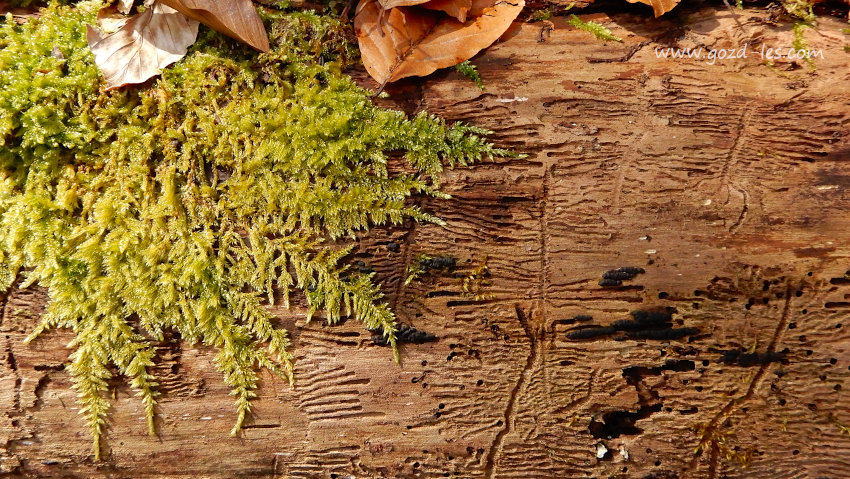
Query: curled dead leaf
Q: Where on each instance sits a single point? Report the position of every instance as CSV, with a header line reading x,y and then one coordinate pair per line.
x,y
388,4
455,8
143,46
478,7
235,18
110,19
412,41
124,6
660,7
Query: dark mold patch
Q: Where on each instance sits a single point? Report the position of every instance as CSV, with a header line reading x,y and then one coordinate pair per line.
x,y
615,277
742,358
645,324
663,334
590,332
404,334
620,423
636,373
646,320
661,475
439,262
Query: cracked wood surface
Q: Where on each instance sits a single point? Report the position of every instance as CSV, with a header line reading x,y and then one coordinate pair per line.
x,y
726,183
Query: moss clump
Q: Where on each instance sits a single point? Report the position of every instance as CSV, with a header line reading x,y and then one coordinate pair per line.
x,y
188,203
470,71
800,9
599,31
800,45
474,283
541,15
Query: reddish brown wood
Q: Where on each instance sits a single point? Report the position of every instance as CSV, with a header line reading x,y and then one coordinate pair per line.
x,y
727,183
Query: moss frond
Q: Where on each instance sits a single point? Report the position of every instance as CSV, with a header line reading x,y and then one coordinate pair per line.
x,y
599,31
800,44
800,9
474,283
469,70
191,203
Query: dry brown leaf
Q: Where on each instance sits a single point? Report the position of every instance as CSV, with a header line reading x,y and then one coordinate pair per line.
x,y
147,43
659,6
124,6
410,41
110,19
388,4
478,7
455,8
235,18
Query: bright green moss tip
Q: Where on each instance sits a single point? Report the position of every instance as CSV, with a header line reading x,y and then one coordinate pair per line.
x,y
191,202
470,71
599,31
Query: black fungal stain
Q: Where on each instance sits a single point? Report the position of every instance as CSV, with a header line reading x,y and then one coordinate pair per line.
x,y
645,324
635,373
622,274
363,268
615,277
646,320
439,262
590,332
404,334
661,475
663,334
742,358
579,318
620,423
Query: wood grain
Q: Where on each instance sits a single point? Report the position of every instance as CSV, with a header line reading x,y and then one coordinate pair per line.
x,y
727,183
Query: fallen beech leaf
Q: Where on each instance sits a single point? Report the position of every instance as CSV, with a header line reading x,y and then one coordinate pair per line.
x,y
110,19
124,6
147,43
659,6
388,4
410,41
235,18
455,8
478,7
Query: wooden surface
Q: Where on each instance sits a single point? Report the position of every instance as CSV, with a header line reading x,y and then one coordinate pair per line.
x,y
728,183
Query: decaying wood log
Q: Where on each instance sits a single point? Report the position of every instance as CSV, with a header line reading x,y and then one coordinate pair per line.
x,y
728,184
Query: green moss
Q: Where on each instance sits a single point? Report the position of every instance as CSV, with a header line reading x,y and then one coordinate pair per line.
x,y
191,202
599,31
800,9
470,71
844,429
474,283
800,44
541,15
422,263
